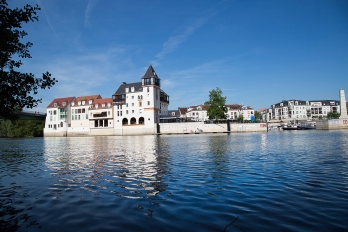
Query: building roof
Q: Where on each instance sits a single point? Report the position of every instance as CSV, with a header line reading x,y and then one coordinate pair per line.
x,y
203,107
177,113
122,89
150,72
86,99
182,110
102,101
60,102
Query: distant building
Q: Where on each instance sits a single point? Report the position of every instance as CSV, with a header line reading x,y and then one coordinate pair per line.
x,y
199,112
288,110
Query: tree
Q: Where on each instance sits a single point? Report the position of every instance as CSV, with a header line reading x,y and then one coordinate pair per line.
x,y
258,116
240,118
216,105
16,87
332,115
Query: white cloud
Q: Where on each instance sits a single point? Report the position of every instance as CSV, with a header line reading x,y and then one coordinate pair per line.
x,y
91,4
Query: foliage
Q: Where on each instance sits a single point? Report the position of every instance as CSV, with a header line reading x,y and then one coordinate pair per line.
x,y
332,115
240,118
258,116
16,87
21,128
216,105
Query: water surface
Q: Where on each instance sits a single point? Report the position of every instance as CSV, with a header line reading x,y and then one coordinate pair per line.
x,y
280,181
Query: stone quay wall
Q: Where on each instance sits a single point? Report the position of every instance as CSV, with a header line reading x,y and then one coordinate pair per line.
x,y
200,127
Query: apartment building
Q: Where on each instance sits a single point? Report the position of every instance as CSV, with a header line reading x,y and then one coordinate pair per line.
x,y
288,110
199,112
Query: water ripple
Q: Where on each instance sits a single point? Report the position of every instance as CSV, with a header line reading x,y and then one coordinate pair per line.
x,y
267,181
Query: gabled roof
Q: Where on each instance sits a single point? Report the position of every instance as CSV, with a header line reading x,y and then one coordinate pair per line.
x,y
234,106
150,72
87,98
182,110
58,102
102,101
122,89
204,107
175,111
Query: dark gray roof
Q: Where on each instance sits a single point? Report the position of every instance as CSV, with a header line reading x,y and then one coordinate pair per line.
x,y
122,89
150,73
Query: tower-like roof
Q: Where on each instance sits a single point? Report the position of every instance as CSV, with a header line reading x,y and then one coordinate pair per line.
x,y
150,72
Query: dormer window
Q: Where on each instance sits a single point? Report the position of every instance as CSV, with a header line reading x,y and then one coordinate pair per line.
x,y
79,103
73,103
103,105
109,105
132,89
127,90
83,103
90,102
64,103
55,104
96,106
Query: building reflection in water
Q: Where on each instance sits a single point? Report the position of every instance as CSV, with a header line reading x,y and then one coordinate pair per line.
x,y
129,166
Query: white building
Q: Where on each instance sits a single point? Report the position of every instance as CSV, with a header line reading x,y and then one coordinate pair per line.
x,y
58,117
137,106
199,112
289,110
80,115
101,117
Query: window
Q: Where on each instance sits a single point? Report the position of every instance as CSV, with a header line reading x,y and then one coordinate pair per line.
x,y
132,97
83,110
140,104
127,90
64,103
118,113
90,102
86,116
79,103
132,90
83,103
148,103
126,111
126,104
132,111
147,81
109,113
132,104
103,105
148,89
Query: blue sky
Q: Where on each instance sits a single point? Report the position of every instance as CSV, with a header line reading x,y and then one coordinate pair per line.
x,y
257,52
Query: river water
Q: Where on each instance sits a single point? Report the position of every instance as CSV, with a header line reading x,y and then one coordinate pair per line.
x,y
276,181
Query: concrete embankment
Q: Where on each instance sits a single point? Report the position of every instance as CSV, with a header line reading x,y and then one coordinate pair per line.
x,y
200,127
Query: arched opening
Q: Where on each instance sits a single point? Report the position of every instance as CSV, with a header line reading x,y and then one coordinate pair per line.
x,y
125,122
141,121
133,121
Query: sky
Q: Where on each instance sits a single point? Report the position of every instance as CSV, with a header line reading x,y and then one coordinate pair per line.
x,y
257,52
